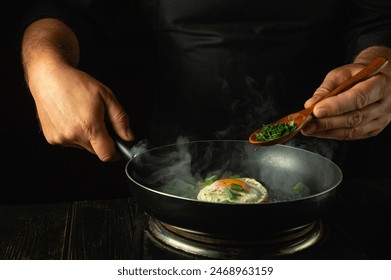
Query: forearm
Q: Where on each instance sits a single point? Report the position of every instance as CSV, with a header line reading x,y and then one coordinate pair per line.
x,y
367,55
47,43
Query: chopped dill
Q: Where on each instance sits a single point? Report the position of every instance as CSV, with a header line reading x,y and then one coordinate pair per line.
x,y
274,131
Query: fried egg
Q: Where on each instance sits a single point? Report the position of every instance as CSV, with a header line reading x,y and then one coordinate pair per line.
x,y
241,190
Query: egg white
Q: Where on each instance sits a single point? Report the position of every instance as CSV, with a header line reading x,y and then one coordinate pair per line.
x,y
256,193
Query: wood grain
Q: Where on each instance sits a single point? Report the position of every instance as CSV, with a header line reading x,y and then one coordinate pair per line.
x,y
101,230
34,231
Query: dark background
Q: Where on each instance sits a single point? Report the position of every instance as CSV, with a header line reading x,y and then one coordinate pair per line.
x,y
33,170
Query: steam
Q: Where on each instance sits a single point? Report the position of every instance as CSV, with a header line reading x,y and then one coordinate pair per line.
x,y
323,147
180,169
170,169
256,106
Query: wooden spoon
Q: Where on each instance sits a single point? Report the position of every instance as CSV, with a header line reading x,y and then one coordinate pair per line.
x,y
303,117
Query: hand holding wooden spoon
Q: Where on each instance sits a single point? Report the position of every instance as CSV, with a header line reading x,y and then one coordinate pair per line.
x,y
303,117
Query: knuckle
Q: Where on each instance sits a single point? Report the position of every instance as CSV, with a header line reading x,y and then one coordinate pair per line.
x,y
89,129
361,99
355,119
52,141
320,92
122,116
326,124
63,138
351,133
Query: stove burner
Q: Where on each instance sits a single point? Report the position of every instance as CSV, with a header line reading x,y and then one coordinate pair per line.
x,y
205,245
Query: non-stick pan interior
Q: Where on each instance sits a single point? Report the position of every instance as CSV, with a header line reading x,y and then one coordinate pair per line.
x,y
180,169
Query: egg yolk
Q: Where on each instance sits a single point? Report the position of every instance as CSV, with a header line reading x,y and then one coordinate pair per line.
x,y
229,182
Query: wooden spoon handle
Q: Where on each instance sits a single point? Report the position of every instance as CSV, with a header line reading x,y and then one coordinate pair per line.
x,y
370,70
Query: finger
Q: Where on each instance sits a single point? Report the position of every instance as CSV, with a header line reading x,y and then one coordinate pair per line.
x,y
356,98
103,144
367,130
319,93
87,147
97,141
350,119
332,80
75,140
117,117
359,124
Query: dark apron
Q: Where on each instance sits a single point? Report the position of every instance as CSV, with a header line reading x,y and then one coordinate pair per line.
x,y
227,66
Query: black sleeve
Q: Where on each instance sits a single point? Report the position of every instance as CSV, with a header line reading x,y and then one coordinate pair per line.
x,y
369,24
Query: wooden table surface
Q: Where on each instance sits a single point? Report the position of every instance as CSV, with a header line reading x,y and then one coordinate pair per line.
x,y
99,229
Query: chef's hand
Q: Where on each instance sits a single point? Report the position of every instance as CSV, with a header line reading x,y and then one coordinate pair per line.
x,y
361,112
74,108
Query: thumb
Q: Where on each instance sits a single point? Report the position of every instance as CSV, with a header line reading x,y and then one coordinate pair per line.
x,y
318,94
119,121
117,117
332,80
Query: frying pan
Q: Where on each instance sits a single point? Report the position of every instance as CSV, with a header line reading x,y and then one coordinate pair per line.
x,y
165,182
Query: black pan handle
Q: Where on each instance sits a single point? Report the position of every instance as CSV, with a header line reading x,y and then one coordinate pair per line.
x,y
125,147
